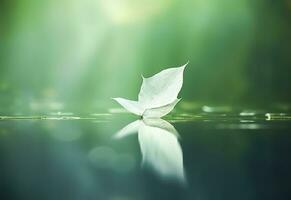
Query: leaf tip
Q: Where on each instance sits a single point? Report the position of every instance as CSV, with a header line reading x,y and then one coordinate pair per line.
x,y
114,98
185,64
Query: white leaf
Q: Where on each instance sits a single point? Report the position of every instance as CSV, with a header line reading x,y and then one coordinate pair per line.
x,y
132,106
161,152
128,130
158,94
162,124
162,88
160,147
160,111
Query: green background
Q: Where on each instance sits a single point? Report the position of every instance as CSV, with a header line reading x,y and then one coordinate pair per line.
x,y
75,55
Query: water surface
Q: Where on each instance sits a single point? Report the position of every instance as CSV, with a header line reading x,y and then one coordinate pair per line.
x,y
116,156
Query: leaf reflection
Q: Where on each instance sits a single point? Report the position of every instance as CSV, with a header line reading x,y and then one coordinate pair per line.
x,y
160,148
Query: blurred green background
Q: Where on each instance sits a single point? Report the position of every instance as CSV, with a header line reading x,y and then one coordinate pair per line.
x,y
74,55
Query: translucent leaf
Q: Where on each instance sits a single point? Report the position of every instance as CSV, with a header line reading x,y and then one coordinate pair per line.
x,y
161,152
132,106
160,111
162,88
128,130
158,94
159,145
162,124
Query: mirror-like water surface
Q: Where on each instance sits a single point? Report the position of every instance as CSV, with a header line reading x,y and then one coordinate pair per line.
x,y
116,156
